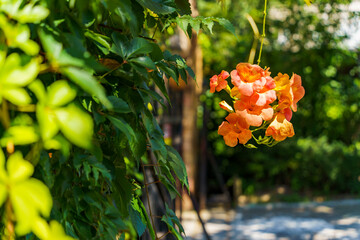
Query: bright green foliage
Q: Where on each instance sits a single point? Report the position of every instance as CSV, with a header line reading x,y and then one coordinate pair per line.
x,y
29,197
76,80
187,23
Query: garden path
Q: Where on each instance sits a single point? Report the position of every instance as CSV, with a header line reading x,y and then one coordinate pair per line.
x,y
280,221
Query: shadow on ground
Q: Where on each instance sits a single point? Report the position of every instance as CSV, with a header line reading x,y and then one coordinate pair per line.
x,y
302,221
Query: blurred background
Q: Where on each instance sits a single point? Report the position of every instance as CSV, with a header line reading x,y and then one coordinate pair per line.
x,y
321,43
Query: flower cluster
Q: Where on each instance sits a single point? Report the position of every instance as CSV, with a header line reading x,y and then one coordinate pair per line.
x,y
259,102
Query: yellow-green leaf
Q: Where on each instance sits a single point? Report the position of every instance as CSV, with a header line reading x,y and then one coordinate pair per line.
x,y
20,135
18,169
3,194
60,93
31,14
17,96
76,125
14,74
47,121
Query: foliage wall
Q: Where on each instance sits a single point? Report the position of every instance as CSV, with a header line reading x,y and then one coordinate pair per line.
x,y
323,155
77,90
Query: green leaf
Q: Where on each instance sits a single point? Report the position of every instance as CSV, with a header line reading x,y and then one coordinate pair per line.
x,y
20,135
60,93
183,7
52,47
119,105
15,74
17,96
18,36
88,83
209,23
3,194
171,187
76,125
122,191
159,6
159,81
147,220
168,71
123,126
120,44
37,87
137,217
177,165
154,95
171,221
138,146
47,122
31,14
144,61
227,25
139,46
18,169
100,40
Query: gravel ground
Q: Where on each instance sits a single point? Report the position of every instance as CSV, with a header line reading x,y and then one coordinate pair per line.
x,y
301,221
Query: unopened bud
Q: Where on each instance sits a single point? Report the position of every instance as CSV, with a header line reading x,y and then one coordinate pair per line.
x,y
224,105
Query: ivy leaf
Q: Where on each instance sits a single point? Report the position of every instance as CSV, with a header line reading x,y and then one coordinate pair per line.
x,y
158,6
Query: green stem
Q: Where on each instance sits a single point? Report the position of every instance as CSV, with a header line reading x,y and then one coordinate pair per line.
x,y
263,34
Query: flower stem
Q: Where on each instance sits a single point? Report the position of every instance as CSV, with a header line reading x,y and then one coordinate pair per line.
x,y
263,34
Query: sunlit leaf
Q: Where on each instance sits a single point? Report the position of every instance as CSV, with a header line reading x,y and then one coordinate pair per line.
x,y
76,125
60,93
20,135
87,82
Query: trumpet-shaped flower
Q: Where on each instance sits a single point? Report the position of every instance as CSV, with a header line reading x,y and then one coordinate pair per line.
x,y
218,82
280,128
289,91
235,130
252,113
248,78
